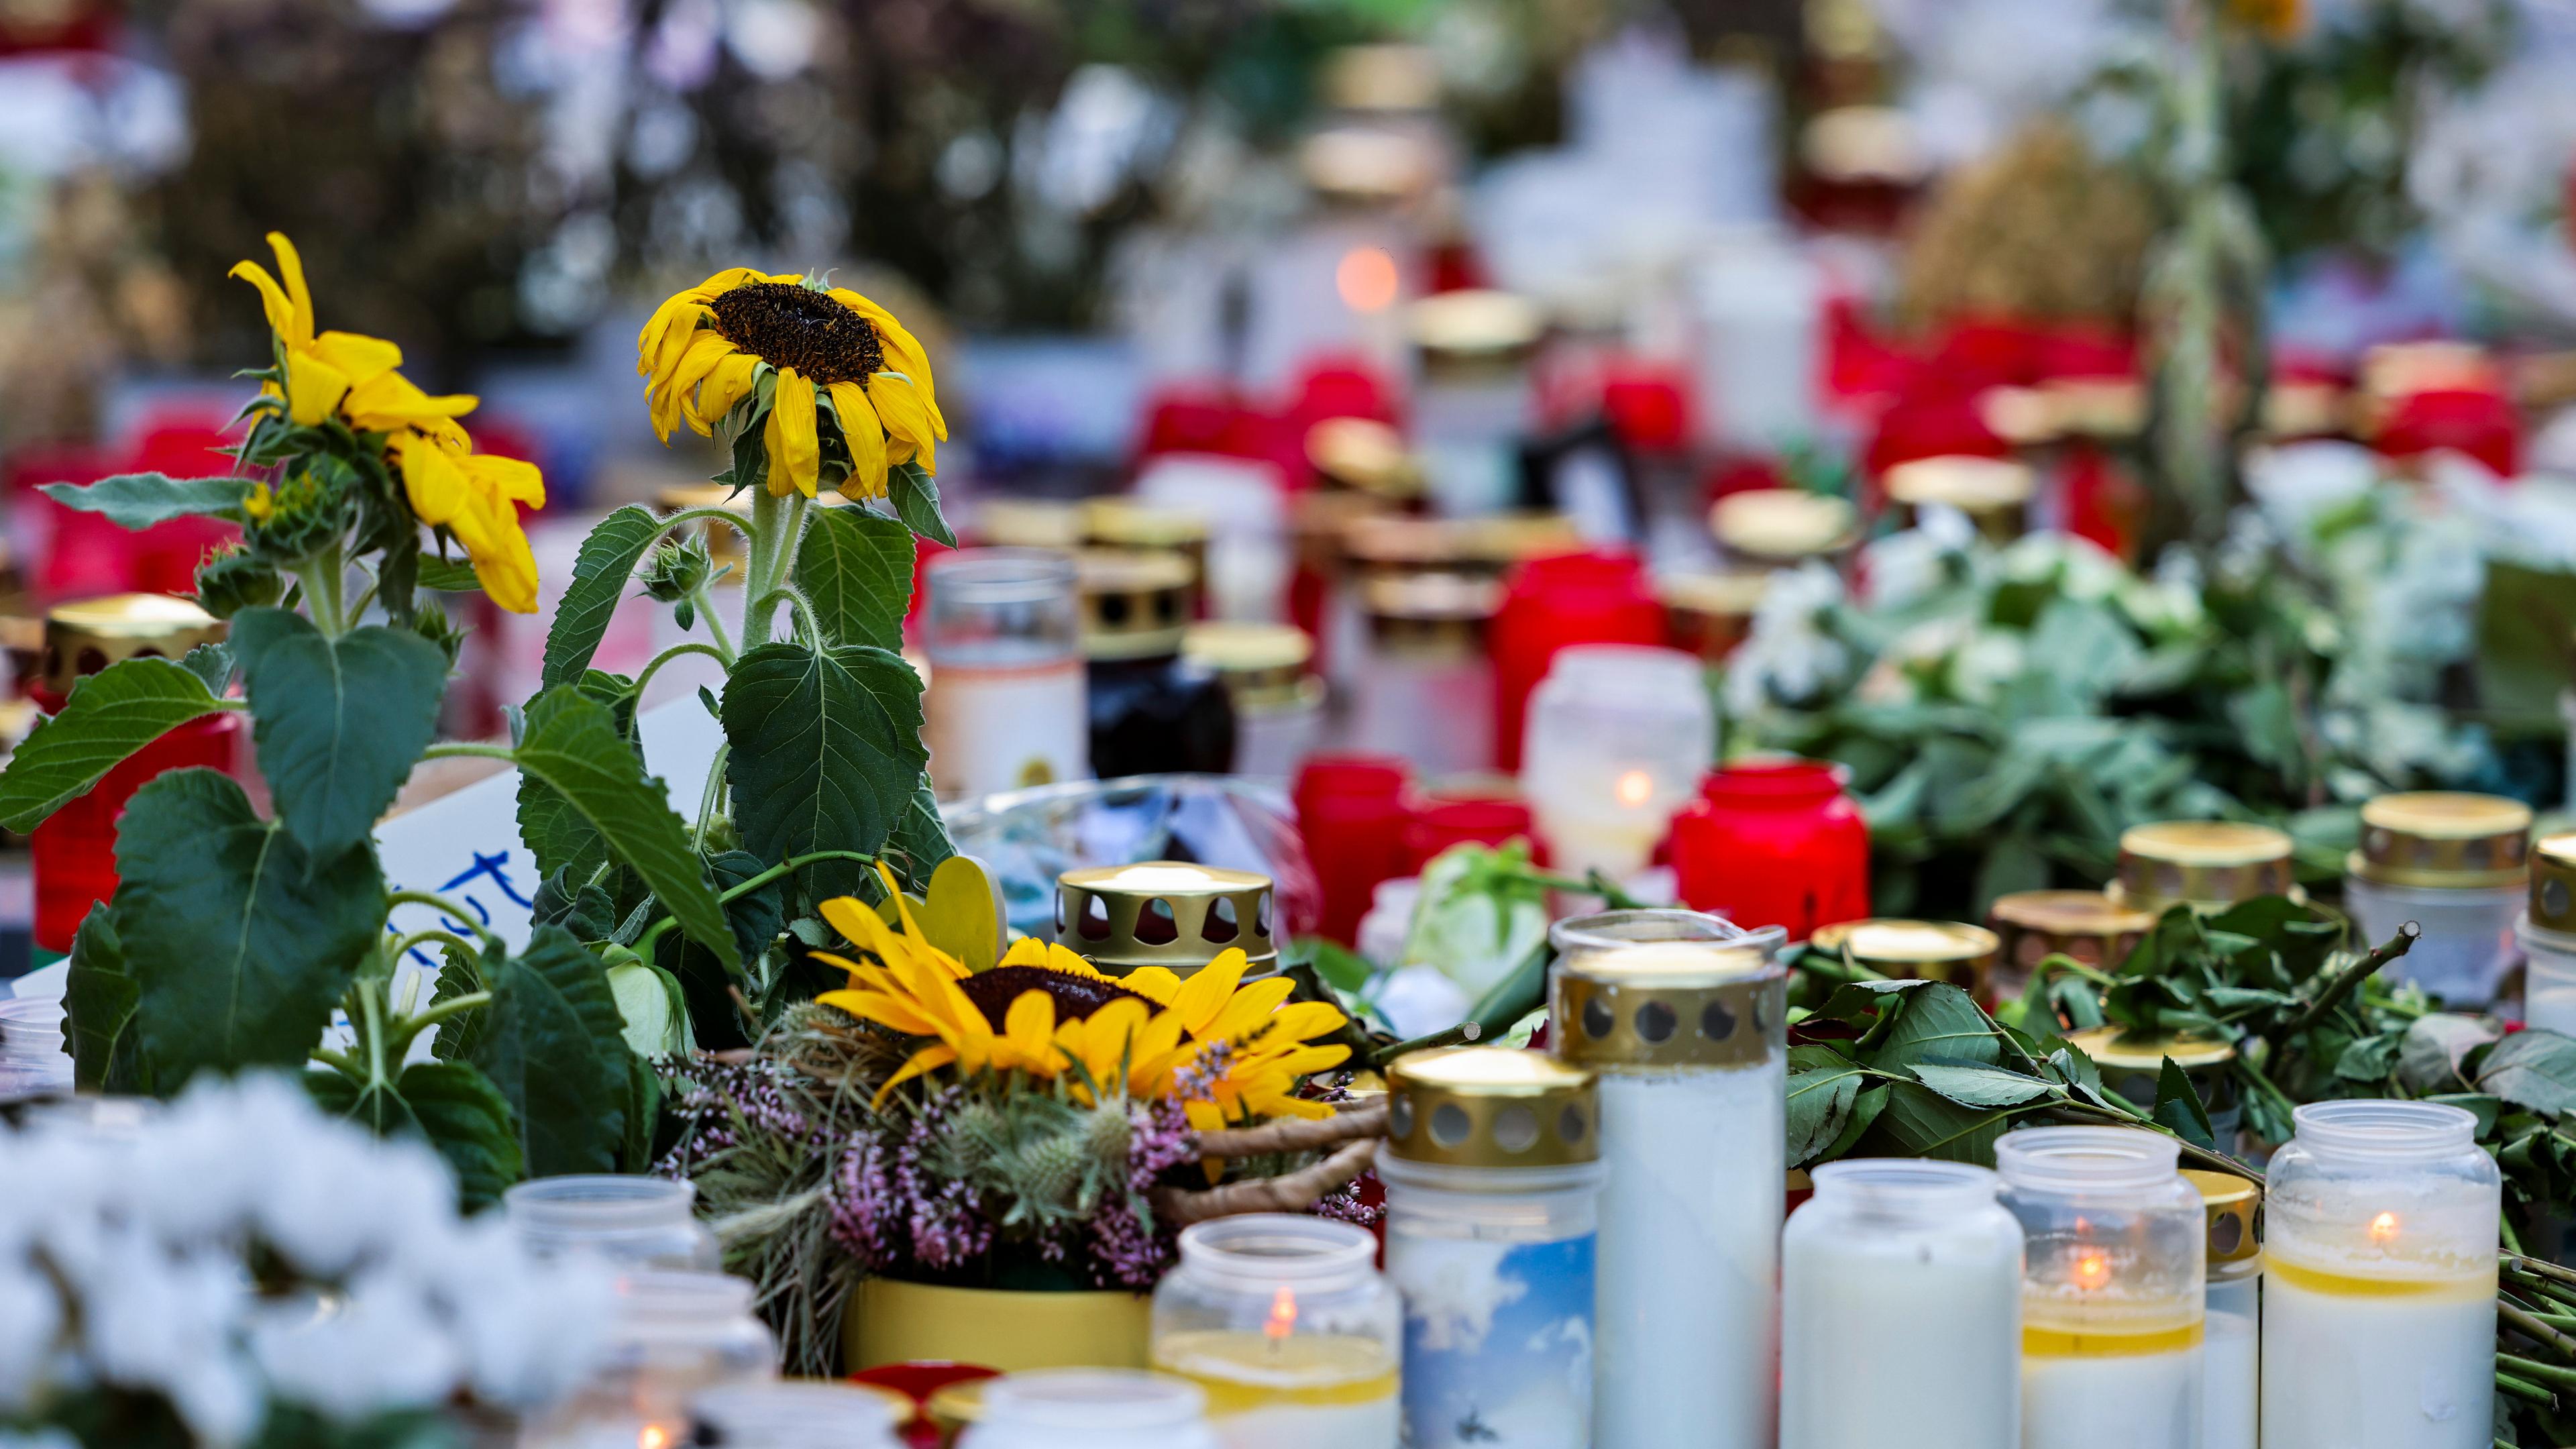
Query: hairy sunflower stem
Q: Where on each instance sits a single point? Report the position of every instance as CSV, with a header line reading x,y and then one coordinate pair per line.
x,y
403,945
796,600
713,793
456,749
412,1025
768,523
455,912
725,651
653,933
690,646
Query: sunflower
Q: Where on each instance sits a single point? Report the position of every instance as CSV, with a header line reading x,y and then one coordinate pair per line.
x,y
476,497
1061,1018
807,364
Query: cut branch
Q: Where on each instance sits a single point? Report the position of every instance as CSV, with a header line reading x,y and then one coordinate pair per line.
x,y
1293,1193
1295,1134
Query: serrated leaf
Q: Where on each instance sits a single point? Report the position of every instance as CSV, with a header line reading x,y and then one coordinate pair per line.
x,y
1940,1021
556,1049
460,974
2179,1108
99,996
1973,1086
587,778
757,915
240,939
2534,1069
110,715
339,721
1919,1122
599,576
855,568
140,500
920,840
450,1104
212,663
825,754
643,1113
1823,1084
448,576
915,495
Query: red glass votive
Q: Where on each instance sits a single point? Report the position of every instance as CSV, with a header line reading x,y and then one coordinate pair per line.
x,y
1351,814
74,851
1549,604
1439,825
1774,843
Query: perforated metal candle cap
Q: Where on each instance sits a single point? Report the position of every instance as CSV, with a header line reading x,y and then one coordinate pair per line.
x,y
1029,523
1170,913
2204,862
2114,1049
1781,526
1135,604
86,636
2087,925
1364,455
1263,665
2553,883
1951,951
2443,840
1491,1107
2235,1207
1667,1003
1994,492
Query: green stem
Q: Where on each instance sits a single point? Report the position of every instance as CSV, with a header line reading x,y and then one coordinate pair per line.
x,y
674,652
371,1010
804,612
715,623
1465,1031
403,945
653,933
2522,1389
714,791
321,578
2352,976
340,1062
454,912
769,522
455,749
2533,1370
357,607
409,1027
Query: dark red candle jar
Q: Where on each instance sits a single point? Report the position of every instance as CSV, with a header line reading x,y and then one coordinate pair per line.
x,y
1550,603
74,851
1351,813
1440,824
1774,842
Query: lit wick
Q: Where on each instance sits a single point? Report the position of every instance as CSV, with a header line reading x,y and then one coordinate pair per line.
x,y
2383,1227
1283,1318
652,1438
2092,1270
1634,788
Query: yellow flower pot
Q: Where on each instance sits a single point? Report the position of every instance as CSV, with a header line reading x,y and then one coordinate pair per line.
x,y
894,1322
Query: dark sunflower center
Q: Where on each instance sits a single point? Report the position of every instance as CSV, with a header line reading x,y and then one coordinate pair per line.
x,y
786,325
1076,997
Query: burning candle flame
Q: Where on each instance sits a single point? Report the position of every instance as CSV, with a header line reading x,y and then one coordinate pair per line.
x,y
2092,1270
653,1437
1367,279
1634,788
2383,1227
1283,1315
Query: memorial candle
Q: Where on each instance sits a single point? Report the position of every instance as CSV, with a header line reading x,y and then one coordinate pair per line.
x,y
2231,1356
1286,1326
2379,1280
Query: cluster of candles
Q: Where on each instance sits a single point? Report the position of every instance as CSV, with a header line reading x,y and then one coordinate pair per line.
x,y
1587,1247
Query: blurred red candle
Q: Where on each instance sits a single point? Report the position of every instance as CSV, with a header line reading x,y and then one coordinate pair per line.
x,y
1774,843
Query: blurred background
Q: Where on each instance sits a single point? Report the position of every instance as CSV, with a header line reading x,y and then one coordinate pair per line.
x,y
1364,304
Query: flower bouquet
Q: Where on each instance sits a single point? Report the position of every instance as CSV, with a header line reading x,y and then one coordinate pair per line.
x,y
1034,1125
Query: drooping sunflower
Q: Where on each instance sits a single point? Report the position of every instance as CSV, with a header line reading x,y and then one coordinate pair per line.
x,y
1057,1013
838,389
352,377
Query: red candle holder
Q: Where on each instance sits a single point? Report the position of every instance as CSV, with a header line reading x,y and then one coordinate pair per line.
x,y
1351,814
1552,603
1438,825
1774,843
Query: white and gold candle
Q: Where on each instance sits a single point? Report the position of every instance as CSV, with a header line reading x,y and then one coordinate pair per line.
x,y
2113,1311
2379,1280
1619,735
1285,1325
2231,1344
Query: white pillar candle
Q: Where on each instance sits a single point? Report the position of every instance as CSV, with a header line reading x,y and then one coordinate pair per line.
x,y
1089,1409
1900,1310
1291,1392
1618,738
1004,705
1682,1014
2230,1404
2113,1288
1286,1326
2379,1280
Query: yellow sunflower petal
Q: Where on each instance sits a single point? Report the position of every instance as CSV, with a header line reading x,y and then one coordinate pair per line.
x,y
1301,1020
272,298
431,479
886,1010
1249,1009
313,387
670,400
512,480
795,458
1111,1029
680,309
1154,983
1307,1061
727,385
905,415
1026,951
1030,1029
928,1059
865,438
390,400
355,353
902,349
1202,998
290,269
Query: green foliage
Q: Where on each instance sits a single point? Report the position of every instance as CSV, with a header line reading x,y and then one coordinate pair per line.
x,y
140,500
454,1106
339,721
599,574
99,995
109,716
826,752
556,1048
916,501
856,570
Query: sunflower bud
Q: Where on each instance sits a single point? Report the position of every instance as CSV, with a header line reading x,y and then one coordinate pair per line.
x,y
430,621
677,569
306,513
229,580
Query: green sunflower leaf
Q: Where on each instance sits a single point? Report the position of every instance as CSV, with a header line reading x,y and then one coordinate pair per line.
x,y
110,715
915,494
239,939
452,576
140,500
99,996
599,576
339,721
585,800
826,753
855,568
450,1104
556,1048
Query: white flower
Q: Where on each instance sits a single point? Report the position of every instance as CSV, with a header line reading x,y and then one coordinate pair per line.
x,y
30,1316
376,1347
528,1329
1788,658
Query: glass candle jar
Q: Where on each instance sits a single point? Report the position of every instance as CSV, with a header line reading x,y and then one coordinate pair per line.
x,y
2035,925
1491,1171
1774,842
1619,735
2547,932
632,1222
676,1336
2113,1288
1089,1409
2231,1346
1286,1326
1553,603
1151,711
799,1414
1900,1310
2456,865
1278,701
2379,1279
1683,1016
1426,686
1473,402
1951,951
2132,1064
1350,817
1005,707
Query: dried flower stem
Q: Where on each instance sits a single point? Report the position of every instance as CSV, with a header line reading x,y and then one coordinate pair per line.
x,y
1295,1192
1295,1134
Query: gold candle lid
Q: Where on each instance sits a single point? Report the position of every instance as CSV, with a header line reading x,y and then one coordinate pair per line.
x,y
1364,455
1667,1004
2553,882
2044,922
1263,665
1993,491
2443,840
87,635
1171,913
1783,525
1710,613
1133,523
2203,862
2305,409
1474,333
1386,76
724,545
1029,523
1430,613
2234,1205
1503,539
1490,1107
1952,951
1367,165
2114,1048
2097,407
1393,542
2021,416
1135,604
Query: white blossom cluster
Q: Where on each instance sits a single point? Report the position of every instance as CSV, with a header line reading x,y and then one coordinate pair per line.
x,y
127,1259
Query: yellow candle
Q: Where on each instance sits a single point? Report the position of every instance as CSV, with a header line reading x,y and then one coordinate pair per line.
x,y
1289,1391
